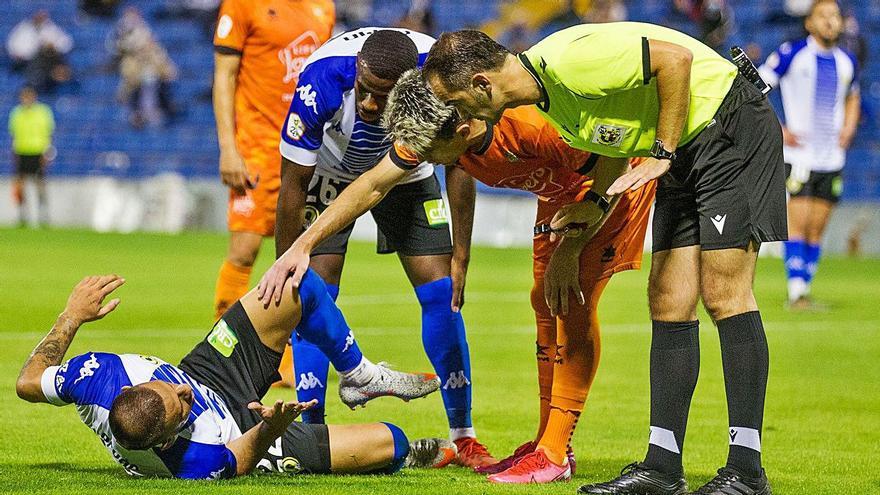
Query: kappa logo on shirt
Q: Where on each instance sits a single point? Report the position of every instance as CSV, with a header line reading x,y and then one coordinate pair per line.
x,y
308,97
294,55
88,368
609,135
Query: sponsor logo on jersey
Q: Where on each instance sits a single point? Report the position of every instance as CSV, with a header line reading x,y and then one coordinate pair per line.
x,y
295,126
308,381
223,338
456,380
609,135
224,26
435,211
294,55
88,368
308,97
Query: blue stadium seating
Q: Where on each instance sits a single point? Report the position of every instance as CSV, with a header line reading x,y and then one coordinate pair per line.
x,y
91,123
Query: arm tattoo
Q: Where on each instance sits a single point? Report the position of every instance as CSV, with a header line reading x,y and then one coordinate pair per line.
x,y
50,351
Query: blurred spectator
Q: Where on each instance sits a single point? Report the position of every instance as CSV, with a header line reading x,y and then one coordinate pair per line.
x,y
203,12
419,18
31,125
146,70
99,8
606,11
353,15
714,18
38,46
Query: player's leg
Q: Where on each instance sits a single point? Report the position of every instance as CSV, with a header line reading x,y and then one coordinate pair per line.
x,y
799,207
235,272
412,221
42,197
827,193
310,365
18,184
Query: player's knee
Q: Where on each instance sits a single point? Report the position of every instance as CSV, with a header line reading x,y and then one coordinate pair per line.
x,y
243,253
435,294
401,449
670,304
724,300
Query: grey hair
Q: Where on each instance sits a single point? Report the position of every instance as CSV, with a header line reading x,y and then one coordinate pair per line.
x,y
414,116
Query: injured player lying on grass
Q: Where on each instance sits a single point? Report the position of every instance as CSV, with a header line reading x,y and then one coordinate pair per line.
x,y
203,419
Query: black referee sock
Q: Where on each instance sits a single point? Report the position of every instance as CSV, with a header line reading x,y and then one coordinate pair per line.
x,y
675,366
746,359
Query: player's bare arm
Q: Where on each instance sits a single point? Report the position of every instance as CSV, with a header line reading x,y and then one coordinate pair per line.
x,y
851,115
361,195
671,65
462,192
291,203
85,304
249,448
233,171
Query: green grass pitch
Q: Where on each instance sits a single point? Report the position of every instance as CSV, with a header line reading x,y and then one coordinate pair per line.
x,y
823,408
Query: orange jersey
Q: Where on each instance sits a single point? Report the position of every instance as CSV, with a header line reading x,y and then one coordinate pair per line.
x,y
523,151
274,38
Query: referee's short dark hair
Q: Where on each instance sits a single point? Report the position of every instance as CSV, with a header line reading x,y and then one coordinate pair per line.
x,y
388,54
457,56
137,418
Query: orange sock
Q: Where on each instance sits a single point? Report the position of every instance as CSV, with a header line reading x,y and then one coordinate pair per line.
x,y
576,364
232,283
545,354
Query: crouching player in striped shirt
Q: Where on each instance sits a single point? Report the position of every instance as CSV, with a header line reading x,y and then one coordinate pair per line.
x,y
203,418
521,151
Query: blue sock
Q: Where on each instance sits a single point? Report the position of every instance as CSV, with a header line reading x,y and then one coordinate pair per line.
x,y
323,325
310,365
811,260
401,449
445,343
795,263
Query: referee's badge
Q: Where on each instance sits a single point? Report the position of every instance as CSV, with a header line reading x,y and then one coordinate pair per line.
x,y
609,135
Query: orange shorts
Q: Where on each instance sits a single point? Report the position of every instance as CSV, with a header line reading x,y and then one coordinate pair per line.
x,y
255,211
618,245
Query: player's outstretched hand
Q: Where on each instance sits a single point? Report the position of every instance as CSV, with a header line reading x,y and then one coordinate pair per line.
x,y
561,278
293,264
637,177
279,415
86,302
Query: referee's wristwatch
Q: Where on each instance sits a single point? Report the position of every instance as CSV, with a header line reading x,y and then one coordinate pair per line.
x,y
601,202
661,153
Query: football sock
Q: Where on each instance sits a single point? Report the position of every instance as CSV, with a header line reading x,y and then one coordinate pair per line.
x,y
545,354
401,449
675,367
445,342
795,268
577,358
745,358
310,367
232,284
360,374
812,252
285,368
323,325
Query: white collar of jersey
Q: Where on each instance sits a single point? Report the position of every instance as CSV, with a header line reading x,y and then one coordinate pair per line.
x,y
814,45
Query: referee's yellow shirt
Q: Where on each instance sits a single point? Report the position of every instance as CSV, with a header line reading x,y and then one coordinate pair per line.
x,y
31,129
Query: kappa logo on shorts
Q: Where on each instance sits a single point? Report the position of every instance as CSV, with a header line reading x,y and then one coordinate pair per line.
x,y
223,338
435,211
718,221
295,126
609,135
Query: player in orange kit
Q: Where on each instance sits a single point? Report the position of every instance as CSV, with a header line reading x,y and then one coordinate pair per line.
x,y
260,46
521,151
